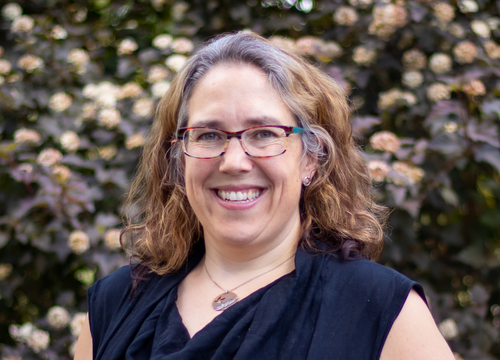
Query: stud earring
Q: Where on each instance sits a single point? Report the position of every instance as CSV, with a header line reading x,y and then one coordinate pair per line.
x,y
306,181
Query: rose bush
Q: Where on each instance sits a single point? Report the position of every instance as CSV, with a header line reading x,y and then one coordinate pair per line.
x,y
78,85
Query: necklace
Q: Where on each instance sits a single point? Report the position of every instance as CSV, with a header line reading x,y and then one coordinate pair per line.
x,y
228,297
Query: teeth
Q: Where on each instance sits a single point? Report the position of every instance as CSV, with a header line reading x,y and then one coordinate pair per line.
x,y
239,196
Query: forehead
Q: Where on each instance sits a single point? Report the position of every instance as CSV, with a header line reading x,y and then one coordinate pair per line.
x,y
234,97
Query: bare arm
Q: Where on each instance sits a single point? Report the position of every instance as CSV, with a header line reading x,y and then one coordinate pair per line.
x,y
414,335
84,346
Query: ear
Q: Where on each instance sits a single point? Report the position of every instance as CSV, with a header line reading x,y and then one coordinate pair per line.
x,y
309,166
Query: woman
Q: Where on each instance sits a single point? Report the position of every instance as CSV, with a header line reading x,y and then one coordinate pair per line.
x,y
254,226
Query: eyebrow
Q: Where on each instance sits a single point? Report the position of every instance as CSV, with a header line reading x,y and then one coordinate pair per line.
x,y
257,121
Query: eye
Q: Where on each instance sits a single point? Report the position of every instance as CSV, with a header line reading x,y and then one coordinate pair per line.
x,y
209,136
265,134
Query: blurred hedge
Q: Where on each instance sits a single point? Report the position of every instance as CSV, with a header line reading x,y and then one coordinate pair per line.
x,y
78,85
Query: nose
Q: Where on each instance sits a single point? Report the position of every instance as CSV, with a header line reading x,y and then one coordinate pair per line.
x,y
234,159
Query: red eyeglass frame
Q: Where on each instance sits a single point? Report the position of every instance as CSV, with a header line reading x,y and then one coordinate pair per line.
x,y
237,134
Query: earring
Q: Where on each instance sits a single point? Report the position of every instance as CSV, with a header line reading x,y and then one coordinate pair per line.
x,y
306,181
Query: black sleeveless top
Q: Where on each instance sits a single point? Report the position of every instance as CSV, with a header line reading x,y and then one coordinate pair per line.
x,y
324,309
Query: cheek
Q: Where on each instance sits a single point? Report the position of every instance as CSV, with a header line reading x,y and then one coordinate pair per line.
x,y
197,174
295,189
287,182
294,181
194,176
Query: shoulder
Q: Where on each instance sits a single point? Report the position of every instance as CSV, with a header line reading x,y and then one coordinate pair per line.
x,y
117,282
377,291
121,276
357,299
110,301
105,298
106,293
369,297
364,275
359,267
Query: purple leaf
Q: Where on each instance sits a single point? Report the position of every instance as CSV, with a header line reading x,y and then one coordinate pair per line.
x,y
403,153
114,176
489,154
479,294
41,241
362,123
125,68
149,56
473,74
418,158
50,126
398,193
412,206
60,246
109,262
491,107
78,161
49,186
448,144
106,220
486,132
21,175
445,107
418,12
442,112
421,145
336,73
362,77
23,207
126,128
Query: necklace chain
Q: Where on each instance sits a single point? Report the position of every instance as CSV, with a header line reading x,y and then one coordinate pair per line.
x,y
246,282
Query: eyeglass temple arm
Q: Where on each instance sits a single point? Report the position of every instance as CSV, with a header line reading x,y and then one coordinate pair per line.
x,y
296,130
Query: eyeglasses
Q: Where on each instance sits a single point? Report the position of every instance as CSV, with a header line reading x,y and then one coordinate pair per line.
x,y
259,141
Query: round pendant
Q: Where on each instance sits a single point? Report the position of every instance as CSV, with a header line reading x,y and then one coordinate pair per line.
x,y
224,300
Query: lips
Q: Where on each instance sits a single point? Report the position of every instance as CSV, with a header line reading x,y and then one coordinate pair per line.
x,y
240,196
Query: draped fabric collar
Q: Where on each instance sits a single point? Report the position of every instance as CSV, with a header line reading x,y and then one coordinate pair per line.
x,y
323,306
148,326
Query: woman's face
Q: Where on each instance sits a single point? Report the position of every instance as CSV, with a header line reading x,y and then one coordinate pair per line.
x,y
234,98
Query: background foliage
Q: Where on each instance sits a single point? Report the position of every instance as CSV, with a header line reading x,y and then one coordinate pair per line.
x,y
78,84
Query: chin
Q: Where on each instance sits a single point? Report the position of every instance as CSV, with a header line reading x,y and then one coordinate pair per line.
x,y
236,236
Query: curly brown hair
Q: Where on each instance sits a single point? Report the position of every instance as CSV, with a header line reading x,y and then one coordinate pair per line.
x,y
336,209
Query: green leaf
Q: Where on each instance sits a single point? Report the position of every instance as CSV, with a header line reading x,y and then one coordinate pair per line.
x,y
449,196
473,255
4,238
6,149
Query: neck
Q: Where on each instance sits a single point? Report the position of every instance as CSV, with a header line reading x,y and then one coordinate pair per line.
x,y
237,262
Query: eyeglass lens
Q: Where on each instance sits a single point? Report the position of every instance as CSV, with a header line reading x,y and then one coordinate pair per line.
x,y
261,141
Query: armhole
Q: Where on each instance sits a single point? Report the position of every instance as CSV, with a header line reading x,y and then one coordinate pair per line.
x,y
394,313
90,293
420,291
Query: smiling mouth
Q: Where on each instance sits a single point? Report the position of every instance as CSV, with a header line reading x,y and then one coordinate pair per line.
x,y
239,196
